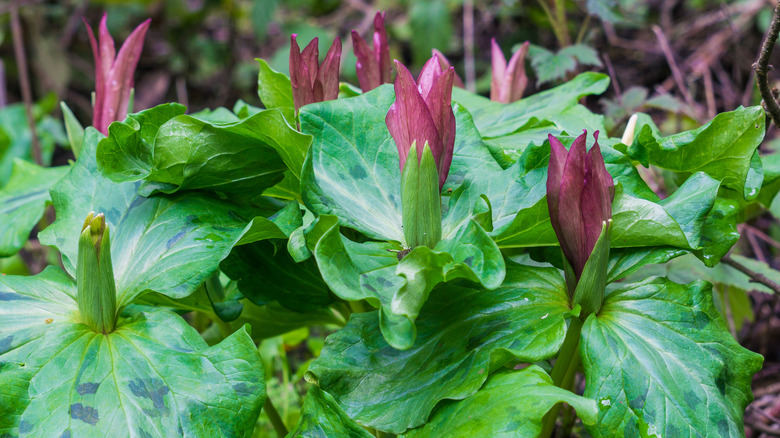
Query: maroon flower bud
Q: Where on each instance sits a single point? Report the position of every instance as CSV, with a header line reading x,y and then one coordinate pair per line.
x,y
311,81
422,112
373,64
114,73
579,198
509,81
445,64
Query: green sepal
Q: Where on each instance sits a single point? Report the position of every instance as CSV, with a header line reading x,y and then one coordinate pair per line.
x,y
421,199
95,276
590,288
73,128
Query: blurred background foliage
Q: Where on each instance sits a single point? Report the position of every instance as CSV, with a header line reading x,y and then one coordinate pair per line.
x,y
201,52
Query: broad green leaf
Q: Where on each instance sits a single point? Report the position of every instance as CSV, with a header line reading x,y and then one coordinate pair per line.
x,y
23,201
275,90
126,154
625,261
606,10
322,417
163,244
511,404
720,232
73,128
273,320
463,334
372,271
154,375
551,66
660,355
494,119
723,148
266,273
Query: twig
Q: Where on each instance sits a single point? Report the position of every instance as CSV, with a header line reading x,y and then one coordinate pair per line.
x,y
761,235
678,77
24,81
709,94
468,45
756,248
762,68
761,428
3,90
754,276
611,70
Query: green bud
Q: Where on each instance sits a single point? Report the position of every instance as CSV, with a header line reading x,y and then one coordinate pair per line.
x,y
421,199
95,276
589,292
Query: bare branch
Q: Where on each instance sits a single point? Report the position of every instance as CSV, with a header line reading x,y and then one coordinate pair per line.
x,y
762,68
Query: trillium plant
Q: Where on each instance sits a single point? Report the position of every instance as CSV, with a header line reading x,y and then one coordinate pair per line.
x,y
479,267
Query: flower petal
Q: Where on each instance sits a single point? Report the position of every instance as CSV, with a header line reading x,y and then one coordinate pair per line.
x,y
329,72
445,64
497,83
428,75
382,49
123,71
596,196
303,92
409,118
558,155
439,103
366,67
515,79
572,233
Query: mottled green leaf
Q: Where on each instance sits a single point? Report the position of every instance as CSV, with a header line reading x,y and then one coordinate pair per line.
x,y
267,273
23,201
723,148
660,355
372,271
164,244
511,404
720,232
153,376
322,417
463,334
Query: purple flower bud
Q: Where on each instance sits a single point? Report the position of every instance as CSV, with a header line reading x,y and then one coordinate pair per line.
x,y
114,72
509,81
373,64
579,198
422,112
311,81
445,64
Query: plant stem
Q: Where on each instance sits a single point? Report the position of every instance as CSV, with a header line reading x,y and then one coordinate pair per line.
x,y
564,370
762,68
276,420
561,23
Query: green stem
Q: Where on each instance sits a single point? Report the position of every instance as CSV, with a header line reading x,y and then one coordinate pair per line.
x,y
564,369
276,420
561,23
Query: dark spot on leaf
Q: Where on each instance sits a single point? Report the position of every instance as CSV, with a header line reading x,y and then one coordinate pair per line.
x,y
243,390
368,286
638,403
175,239
468,261
701,320
144,434
25,426
10,296
692,400
193,219
136,202
153,389
87,388
65,434
357,172
87,414
5,343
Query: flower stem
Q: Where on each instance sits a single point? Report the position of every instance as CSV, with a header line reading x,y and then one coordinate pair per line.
x,y
564,370
276,419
